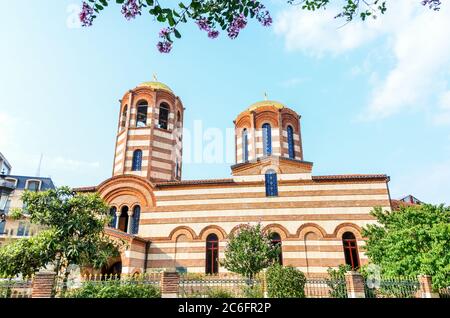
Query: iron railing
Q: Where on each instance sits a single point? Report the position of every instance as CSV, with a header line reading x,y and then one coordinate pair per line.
x,y
323,287
16,287
215,286
392,287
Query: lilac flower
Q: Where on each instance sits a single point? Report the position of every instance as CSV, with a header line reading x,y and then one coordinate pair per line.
x,y
164,32
130,9
263,16
432,4
212,34
164,46
203,24
86,15
239,22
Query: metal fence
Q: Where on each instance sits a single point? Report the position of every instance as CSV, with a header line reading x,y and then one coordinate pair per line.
x,y
322,287
215,286
444,292
392,287
70,285
16,287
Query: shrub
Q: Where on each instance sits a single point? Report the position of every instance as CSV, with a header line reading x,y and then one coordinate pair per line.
x,y
218,293
114,289
285,282
336,282
255,291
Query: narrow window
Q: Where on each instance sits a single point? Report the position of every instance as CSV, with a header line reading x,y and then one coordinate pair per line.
x,y
350,250
124,117
137,160
33,186
136,217
2,225
290,137
177,167
23,229
267,139
141,119
212,254
275,239
271,183
123,219
112,213
164,116
245,145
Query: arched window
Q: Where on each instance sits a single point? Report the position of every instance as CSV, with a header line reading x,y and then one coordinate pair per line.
x,y
164,116
123,219
177,167
290,138
136,217
137,160
275,239
2,225
212,254
245,145
124,116
141,117
267,139
112,213
271,183
178,117
350,250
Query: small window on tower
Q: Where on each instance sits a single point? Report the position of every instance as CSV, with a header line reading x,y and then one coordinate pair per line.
x,y
123,120
137,160
141,119
164,116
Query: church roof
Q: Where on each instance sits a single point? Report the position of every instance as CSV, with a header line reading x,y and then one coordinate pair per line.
x,y
156,85
263,103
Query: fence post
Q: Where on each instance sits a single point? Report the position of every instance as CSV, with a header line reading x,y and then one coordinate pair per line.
x,y
426,290
354,282
170,281
43,284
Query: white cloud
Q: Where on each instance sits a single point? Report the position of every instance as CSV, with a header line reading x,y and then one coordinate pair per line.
x,y
416,37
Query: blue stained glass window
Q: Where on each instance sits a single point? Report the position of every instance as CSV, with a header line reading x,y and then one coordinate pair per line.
x,y
137,161
112,213
271,184
2,227
290,133
245,145
136,217
267,139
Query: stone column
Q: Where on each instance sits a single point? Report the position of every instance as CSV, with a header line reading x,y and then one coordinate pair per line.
x,y
355,285
118,213
426,289
130,221
170,281
43,285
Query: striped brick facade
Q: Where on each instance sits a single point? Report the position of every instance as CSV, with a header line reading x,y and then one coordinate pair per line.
x,y
310,213
161,148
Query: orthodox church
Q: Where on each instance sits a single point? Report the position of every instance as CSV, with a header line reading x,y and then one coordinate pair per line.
x,y
170,223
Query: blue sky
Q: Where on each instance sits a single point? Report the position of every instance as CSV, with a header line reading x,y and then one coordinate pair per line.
x,y
374,97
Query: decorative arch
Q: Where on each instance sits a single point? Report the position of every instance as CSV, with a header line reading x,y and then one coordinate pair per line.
x,y
221,234
310,227
347,227
182,230
270,167
138,187
237,228
284,233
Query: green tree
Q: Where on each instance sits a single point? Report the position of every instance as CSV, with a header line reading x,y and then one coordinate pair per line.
x,y
250,251
228,15
411,241
74,234
285,282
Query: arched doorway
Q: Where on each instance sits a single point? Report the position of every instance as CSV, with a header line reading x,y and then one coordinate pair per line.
x,y
275,239
212,254
112,271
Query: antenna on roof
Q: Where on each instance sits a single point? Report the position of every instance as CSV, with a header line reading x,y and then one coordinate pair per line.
x,y
155,77
38,172
266,97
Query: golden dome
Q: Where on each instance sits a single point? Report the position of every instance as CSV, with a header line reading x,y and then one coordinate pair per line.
x,y
266,103
156,85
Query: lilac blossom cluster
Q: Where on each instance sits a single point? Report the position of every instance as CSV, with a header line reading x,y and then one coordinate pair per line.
x,y
239,22
164,46
86,15
203,25
130,9
263,15
432,4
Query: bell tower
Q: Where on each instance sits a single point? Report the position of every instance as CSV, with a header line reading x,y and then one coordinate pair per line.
x,y
149,134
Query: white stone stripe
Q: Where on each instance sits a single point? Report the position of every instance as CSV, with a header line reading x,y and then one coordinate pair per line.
x,y
162,145
135,255
137,143
276,199
280,177
182,244
242,189
285,243
259,212
138,132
